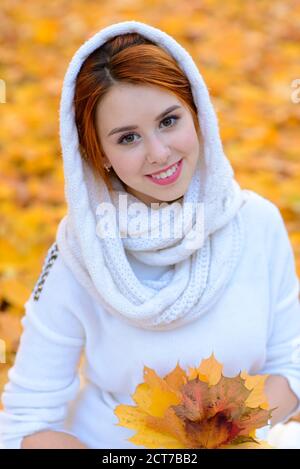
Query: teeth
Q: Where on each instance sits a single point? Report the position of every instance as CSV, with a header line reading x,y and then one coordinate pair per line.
x,y
166,173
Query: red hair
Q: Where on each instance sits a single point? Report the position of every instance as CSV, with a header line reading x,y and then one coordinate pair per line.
x,y
127,58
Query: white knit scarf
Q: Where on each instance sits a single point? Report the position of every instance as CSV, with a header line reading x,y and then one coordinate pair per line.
x,y
197,275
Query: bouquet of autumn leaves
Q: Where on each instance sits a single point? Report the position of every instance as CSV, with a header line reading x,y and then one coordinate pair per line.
x,y
198,409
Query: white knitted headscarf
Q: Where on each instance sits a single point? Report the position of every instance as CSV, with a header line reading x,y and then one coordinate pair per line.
x,y
197,276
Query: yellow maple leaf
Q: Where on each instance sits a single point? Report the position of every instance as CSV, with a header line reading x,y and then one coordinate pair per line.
x,y
256,384
209,370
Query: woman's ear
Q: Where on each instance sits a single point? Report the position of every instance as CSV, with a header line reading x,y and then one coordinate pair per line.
x,y
106,163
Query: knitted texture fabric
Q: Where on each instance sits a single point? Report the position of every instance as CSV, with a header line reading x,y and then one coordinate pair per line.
x,y
199,270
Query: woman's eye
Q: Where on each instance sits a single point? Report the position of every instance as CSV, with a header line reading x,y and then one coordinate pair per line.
x,y
170,117
124,137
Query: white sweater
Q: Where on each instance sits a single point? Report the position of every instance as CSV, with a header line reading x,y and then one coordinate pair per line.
x,y
255,326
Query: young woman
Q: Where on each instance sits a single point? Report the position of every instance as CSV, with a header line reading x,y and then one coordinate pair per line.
x,y
162,257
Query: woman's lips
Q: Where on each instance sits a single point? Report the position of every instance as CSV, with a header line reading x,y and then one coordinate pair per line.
x,y
167,180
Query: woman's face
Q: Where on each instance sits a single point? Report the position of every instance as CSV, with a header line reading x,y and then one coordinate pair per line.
x,y
154,144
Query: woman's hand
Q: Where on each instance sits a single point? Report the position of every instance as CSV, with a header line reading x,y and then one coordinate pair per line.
x,y
279,394
50,439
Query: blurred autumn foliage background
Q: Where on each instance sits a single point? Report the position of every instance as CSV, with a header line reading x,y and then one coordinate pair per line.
x,y
249,55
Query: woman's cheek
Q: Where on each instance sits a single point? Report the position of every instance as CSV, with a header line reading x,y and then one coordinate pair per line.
x,y
188,140
128,168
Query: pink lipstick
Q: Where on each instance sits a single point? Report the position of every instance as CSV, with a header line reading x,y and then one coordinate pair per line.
x,y
163,181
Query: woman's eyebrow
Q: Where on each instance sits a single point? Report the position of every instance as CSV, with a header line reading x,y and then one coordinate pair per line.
x,y
132,127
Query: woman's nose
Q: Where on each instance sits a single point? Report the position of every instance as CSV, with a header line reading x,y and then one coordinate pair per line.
x,y
158,151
